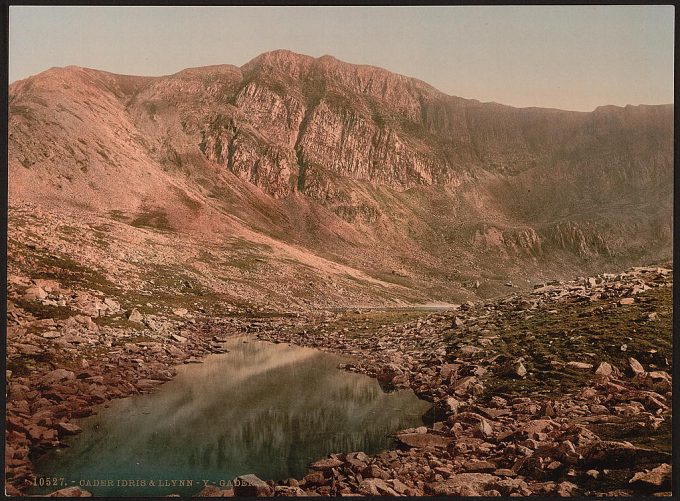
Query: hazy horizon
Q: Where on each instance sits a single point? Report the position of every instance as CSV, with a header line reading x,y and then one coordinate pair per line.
x,y
567,57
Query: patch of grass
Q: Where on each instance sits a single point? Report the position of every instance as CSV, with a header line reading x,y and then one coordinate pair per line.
x,y
187,201
22,111
156,219
118,215
118,322
24,365
43,311
173,287
141,338
392,278
64,270
243,263
68,272
242,244
584,332
151,109
68,230
364,324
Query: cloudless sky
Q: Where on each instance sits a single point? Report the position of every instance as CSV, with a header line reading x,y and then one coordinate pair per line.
x,y
569,57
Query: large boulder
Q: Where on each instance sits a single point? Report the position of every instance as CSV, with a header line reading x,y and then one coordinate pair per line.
x,y
423,440
326,464
657,477
250,485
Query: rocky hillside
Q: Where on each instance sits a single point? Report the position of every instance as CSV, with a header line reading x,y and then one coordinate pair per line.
x,y
440,197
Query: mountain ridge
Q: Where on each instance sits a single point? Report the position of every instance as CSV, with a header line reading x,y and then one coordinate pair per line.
x,y
323,57
334,157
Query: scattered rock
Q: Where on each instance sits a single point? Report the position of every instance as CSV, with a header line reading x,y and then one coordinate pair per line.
x,y
58,375
579,365
68,429
326,464
636,366
33,293
604,369
251,486
135,316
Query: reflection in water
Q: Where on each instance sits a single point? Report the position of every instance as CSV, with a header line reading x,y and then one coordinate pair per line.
x,y
262,408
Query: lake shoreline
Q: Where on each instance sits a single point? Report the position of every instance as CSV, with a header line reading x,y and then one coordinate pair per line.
x,y
496,426
235,414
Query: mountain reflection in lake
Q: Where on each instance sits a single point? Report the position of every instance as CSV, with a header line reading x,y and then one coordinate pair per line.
x,y
262,408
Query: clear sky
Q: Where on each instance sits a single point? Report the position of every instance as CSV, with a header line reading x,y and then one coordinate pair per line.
x,y
569,57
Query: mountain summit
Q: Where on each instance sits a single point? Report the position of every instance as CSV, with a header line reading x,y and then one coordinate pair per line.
x,y
351,170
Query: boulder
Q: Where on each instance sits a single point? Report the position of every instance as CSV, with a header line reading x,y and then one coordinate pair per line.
x,y
513,369
250,485
604,369
536,426
376,487
448,370
462,484
423,441
566,489
112,304
579,365
68,429
657,477
476,466
315,478
636,366
288,491
608,452
58,375
35,293
326,464
70,492
135,315
212,491
452,405
27,349
484,429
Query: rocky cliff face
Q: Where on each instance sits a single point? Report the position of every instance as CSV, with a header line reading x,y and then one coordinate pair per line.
x,y
336,156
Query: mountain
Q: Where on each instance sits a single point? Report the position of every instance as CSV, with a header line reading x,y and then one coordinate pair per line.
x,y
331,183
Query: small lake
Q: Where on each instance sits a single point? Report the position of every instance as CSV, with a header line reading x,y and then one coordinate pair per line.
x,y
263,408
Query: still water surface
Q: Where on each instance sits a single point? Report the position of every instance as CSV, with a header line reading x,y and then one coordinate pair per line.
x,y
268,409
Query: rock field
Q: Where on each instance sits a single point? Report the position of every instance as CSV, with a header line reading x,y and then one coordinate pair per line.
x,y
523,404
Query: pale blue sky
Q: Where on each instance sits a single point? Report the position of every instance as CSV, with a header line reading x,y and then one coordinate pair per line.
x,y
569,57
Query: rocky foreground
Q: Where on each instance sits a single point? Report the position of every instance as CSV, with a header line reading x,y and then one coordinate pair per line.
x,y
562,391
